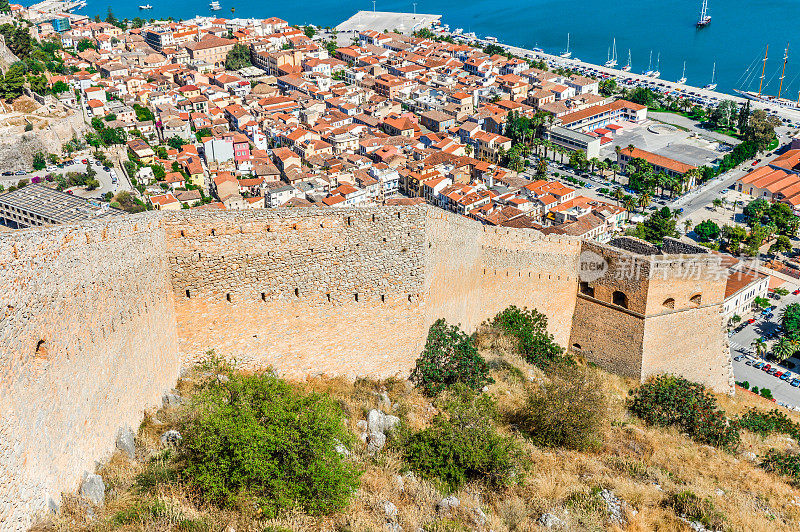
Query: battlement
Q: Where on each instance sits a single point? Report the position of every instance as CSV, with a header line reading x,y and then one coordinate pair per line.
x,y
98,318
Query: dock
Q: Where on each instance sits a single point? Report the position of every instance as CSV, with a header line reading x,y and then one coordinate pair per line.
x,y
384,20
57,6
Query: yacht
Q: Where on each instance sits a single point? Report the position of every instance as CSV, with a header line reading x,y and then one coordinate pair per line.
x,y
704,19
611,59
711,86
214,6
683,76
146,6
566,54
627,67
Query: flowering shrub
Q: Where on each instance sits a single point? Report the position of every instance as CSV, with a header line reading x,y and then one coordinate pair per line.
x,y
766,423
529,328
450,356
667,400
783,463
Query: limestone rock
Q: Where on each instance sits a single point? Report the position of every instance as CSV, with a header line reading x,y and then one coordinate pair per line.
x,y
375,441
342,450
549,520
478,517
171,399
447,504
93,489
377,421
389,510
171,438
126,441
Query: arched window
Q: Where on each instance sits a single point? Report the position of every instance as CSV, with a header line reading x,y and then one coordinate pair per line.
x,y
576,346
696,300
619,299
669,303
586,289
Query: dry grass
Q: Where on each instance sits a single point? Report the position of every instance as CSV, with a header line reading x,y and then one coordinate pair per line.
x,y
642,465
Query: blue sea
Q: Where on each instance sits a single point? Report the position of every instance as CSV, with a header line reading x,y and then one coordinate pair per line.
x,y
735,40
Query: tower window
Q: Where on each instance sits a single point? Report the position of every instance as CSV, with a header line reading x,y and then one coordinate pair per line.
x,y
619,299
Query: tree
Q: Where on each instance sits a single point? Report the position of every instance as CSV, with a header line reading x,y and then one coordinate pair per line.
x,y
761,128
659,225
744,117
59,87
733,236
687,226
759,346
790,319
13,81
39,161
707,230
450,356
784,348
643,201
5,6
176,142
755,210
238,57
310,31
86,44
781,245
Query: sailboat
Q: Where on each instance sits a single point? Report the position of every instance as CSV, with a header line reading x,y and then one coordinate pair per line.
x,y
566,54
612,61
627,67
704,19
657,73
766,98
649,71
711,86
683,76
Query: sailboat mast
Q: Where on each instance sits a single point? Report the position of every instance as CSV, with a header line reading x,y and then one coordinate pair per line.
x,y
783,72
763,67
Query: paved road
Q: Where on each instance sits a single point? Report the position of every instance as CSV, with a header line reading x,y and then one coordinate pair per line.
x,y
688,123
741,341
105,179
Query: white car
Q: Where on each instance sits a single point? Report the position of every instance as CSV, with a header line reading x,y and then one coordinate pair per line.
x,y
51,168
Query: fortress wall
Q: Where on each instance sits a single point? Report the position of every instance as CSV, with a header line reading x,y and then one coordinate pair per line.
x,y
307,291
87,341
475,271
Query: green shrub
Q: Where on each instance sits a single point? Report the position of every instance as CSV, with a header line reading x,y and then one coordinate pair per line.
x,y
782,462
668,400
766,423
754,389
450,356
462,444
744,384
766,393
686,503
529,328
567,411
157,471
257,441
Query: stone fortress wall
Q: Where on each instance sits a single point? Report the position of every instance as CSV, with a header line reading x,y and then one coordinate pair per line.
x,y
99,318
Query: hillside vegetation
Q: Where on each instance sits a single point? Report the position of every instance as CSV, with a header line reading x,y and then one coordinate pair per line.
x,y
500,430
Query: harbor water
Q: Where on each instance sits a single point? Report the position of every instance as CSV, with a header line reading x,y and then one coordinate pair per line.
x,y
735,39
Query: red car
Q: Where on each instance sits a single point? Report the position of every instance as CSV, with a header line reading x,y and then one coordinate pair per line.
x,y
84,161
796,292
751,321
766,368
754,163
778,374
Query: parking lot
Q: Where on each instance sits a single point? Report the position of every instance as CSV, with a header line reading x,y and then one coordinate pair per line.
x,y
743,352
107,177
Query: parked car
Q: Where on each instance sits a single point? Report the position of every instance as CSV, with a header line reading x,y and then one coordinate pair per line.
x,y
20,172
84,161
795,383
737,358
8,172
751,321
772,371
787,376
796,292
778,374
766,367
758,365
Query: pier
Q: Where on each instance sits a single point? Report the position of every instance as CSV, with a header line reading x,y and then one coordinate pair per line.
x,y
385,20
57,6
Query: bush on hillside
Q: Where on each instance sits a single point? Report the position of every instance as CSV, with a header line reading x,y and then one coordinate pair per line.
x,y
450,357
256,441
766,423
567,411
462,445
529,328
667,400
782,462
686,503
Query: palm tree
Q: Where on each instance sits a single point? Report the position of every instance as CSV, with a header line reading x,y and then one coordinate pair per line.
x,y
759,346
784,348
618,195
687,226
615,168
602,166
716,203
629,202
644,200
594,161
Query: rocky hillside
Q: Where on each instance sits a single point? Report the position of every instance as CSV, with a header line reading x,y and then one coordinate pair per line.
x,y
537,446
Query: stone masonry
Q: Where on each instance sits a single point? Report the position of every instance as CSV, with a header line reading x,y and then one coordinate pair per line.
x,y
99,318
